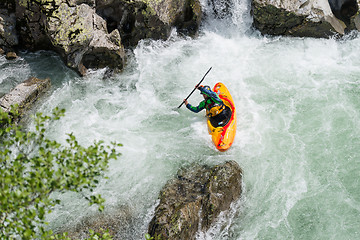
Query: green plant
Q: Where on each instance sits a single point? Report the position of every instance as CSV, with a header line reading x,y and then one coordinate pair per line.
x,y
33,166
148,237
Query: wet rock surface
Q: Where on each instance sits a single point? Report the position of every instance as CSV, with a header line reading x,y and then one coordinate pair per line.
x,y
193,200
305,18
74,30
152,19
92,33
25,94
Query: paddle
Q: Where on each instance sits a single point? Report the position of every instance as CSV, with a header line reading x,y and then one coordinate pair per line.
x,y
195,87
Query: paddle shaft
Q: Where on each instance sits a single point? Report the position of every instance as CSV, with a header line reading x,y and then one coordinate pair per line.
x,y
195,87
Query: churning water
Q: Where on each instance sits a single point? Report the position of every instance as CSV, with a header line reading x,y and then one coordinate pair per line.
x,y
298,106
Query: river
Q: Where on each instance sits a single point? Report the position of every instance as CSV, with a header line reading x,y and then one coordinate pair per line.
x,y
298,110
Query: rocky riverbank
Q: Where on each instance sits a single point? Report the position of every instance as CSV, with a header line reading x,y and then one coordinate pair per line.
x,y
95,33
92,33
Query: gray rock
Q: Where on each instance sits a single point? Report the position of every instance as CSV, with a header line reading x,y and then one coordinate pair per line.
x,y
134,20
8,34
74,30
81,37
304,18
24,94
92,33
184,15
141,19
194,199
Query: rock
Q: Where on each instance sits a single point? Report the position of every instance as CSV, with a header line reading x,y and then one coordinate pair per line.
x,y
74,30
73,3
31,25
11,56
134,20
304,18
153,19
344,9
194,199
8,4
221,9
91,33
8,34
184,15
115,220
24,94
2,52
81,37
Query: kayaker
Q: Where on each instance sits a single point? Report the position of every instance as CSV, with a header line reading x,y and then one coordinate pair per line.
x,y
216,110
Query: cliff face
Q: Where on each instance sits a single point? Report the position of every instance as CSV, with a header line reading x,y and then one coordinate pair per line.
x,y
305,18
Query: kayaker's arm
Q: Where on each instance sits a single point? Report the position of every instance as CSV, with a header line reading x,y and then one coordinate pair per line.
x,y
196,109
210,94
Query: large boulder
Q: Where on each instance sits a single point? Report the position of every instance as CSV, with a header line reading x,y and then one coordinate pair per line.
x,y
92,33
194,199
73,29
305,18
141,19
134,20
81,37
185,15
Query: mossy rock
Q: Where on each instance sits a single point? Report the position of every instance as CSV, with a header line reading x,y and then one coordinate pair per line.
x,y
194,199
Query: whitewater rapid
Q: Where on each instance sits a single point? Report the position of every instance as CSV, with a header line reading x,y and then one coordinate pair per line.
x,y
297,135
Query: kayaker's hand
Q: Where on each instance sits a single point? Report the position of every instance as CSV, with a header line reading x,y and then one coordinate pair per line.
x,y
197,86
186,102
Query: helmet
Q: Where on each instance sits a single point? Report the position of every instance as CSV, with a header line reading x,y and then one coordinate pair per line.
x,y
207,88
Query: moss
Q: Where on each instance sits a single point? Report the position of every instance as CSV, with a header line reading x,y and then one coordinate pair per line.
x,y
23,3
195,5
73,30
148,12
174,222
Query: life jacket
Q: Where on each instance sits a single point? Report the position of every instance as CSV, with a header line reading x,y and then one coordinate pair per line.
x,y
213,108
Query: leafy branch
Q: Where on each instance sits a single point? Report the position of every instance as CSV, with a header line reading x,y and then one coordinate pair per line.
x,y
33,166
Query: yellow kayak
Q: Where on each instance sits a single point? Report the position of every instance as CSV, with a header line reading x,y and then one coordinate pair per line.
x,y
223,136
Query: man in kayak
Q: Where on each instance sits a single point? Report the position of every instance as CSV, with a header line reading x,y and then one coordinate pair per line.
x,y
218,113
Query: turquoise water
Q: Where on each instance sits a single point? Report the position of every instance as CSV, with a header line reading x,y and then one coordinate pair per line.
x,y
297,139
